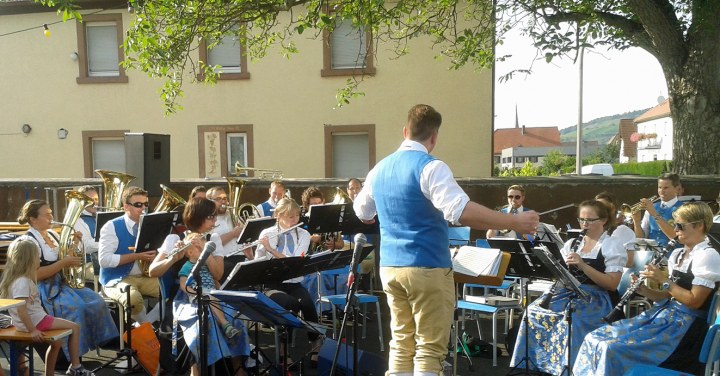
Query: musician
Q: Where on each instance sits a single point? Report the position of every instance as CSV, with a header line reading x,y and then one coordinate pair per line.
x,y
81,306
657,223
622,232
119,263
598,265
313,196
515,198
86,226
671,333
228,233
290,294
414,196
198,191
277,191
354,186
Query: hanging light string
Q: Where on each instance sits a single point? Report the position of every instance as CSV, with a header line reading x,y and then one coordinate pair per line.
x,y
45,25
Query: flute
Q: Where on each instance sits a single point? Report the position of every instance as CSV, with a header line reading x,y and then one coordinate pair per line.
x,y
186,246
257,242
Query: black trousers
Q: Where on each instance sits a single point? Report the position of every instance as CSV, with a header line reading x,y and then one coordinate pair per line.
x,y
296,298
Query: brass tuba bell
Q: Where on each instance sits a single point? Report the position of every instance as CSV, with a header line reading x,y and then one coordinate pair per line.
x,y
169,201
77,202
238,211
114,183
341,197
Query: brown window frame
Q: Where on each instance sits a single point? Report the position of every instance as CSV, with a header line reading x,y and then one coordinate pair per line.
x,y
329,71
87,138
243,75
224,130
84,75
331,130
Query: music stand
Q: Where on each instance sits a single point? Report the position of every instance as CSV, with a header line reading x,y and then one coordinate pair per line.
x,y
326,218
262,271
153,229
102,218
253,228
353,225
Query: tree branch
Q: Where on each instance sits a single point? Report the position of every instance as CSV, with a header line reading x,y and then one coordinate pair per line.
x,y
664,29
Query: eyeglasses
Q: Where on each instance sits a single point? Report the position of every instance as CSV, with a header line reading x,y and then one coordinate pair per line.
x,y
517,197
211,216
679,226
221,198
587,220
139,204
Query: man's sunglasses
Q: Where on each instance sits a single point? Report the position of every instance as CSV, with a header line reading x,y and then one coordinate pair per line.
x,y
140,204
517,197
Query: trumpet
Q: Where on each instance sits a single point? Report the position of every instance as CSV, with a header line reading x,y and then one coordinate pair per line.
x,y
264,173
628,211
187,245
257,242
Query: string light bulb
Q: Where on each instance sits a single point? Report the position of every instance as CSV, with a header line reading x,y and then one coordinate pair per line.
x,y
131,9
47,31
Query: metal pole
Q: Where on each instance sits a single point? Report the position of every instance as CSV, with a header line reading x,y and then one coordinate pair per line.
x,y
578,149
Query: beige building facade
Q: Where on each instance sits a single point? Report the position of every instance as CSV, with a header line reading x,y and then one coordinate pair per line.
x,y
275,113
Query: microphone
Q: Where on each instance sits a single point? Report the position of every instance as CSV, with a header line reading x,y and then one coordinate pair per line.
x,y
360,241
207,251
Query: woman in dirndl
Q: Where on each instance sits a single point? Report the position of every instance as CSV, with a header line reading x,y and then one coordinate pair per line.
x,y
670,334
597,262
81,306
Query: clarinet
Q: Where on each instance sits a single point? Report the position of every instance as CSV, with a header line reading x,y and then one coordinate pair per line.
x,y
616,313
545,303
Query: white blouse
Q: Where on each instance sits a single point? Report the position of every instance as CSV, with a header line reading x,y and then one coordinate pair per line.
x,y
301,241
626,236
705,262
612,249
48,254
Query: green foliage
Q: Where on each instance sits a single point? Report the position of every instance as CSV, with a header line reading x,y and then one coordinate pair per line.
x,y
609,153
528,170
653,168
555,161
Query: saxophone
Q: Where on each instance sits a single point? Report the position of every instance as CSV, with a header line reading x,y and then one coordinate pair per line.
x,y
77,202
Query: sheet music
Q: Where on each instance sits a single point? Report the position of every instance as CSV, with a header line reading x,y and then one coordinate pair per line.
x,y
474,261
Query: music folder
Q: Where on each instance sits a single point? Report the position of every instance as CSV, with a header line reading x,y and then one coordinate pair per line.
x,y
153,229
523,262
102,218
253,228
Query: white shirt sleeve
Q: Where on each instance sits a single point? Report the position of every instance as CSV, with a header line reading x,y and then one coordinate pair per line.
x,y
169,244
261,211
302,242
88,239
107,246
260,251
615,254
626,236
706,267
364,204
645,224
439,186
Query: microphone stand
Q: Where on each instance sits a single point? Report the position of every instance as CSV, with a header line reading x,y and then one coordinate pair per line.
x,y
517,370
203,304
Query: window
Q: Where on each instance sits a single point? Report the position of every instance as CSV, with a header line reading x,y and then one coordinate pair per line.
x,y
100,39
654,157
349,150
496,159
347,50
519,159
103,150
533,159
229,54
220,146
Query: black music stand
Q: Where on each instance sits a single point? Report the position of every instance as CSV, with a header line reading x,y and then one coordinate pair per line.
x,y
102,218
153,229
326,218
253,228
262,271
525,265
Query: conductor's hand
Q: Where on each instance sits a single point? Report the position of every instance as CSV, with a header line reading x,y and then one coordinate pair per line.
x,y
146,256
71,261
37,336
654,273
575,259
525,222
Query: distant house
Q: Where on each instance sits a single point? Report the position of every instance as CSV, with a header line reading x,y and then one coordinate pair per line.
x,y
517,157
522,137
655,128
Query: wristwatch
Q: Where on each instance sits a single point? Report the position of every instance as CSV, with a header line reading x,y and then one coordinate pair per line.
x,y
666,285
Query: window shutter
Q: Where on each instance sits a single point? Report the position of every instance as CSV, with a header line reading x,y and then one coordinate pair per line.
x,y
102,45
108,155
226,54
348,46
351,155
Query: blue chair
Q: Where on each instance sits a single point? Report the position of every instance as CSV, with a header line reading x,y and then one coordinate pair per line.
x,y
482,243
478,307
459,235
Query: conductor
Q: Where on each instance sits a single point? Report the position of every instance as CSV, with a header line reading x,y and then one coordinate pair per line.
x,y
415,196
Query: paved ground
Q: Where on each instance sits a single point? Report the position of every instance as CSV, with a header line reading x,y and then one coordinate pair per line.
x,y
481,366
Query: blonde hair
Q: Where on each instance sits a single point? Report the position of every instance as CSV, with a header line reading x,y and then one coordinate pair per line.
x,y
21,257
695,212
286,206
517,188
31,209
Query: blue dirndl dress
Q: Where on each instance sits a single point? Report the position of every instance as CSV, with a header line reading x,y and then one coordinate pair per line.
x,y
81,306
548,330
669,335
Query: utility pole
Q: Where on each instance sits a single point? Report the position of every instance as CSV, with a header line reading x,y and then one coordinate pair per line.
x,y
578,149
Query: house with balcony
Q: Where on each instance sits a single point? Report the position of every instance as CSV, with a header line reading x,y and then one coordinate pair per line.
x,y
654,134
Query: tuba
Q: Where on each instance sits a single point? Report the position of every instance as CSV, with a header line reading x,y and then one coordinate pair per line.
x,y
114,184
341,197
77,202
238,211
169,201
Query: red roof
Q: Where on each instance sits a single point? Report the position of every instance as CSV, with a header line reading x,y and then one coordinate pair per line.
x,y
627,128
659,111
533,137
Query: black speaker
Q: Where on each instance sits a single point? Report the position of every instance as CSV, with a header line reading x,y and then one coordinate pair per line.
x,y
147,157
369,363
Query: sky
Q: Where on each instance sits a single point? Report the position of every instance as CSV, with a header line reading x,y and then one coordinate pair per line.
x,y
614,82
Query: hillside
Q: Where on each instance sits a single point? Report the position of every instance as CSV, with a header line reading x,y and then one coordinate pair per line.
x,y
600,129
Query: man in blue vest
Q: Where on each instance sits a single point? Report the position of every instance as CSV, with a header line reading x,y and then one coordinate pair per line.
x,y
119,263
658,223
515,198
86,226
277,192
415,196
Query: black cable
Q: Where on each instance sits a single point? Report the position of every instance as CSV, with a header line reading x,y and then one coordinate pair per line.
x,y
57,22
